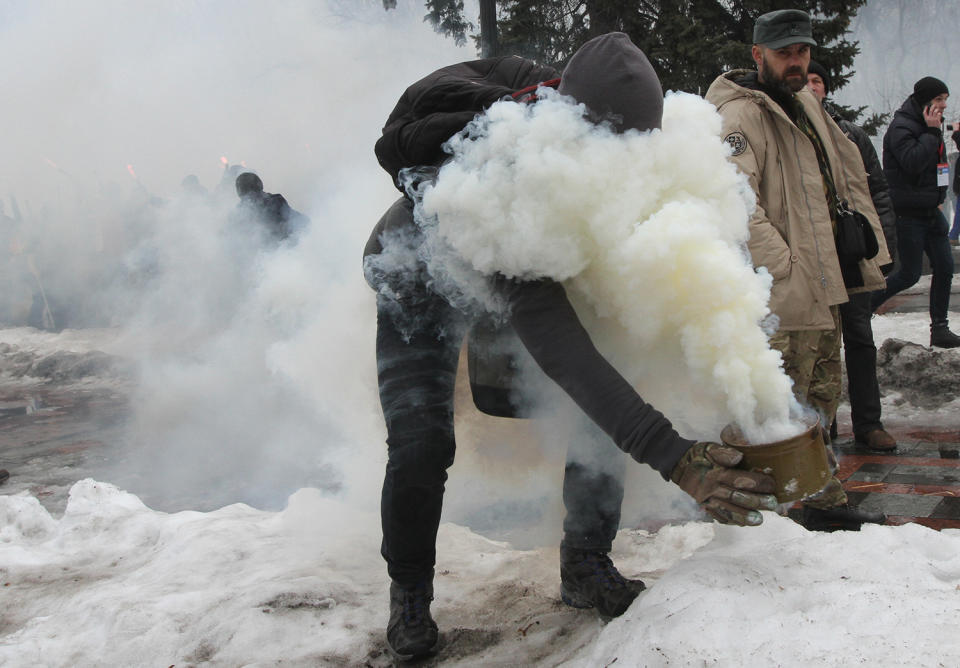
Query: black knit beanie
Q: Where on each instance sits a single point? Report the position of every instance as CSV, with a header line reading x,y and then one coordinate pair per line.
x,y
928,88
821,71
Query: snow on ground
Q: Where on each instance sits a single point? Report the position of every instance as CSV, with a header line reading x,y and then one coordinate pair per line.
x,y
113,582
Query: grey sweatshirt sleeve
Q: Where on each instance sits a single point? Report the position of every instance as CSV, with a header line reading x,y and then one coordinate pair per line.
x,y
549,328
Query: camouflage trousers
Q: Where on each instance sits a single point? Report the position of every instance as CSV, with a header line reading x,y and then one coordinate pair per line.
x,y
812,360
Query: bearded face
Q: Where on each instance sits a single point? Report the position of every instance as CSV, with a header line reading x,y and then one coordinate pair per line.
x,y
784,68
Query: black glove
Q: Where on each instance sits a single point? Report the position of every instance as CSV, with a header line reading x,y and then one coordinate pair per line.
x,y
731,496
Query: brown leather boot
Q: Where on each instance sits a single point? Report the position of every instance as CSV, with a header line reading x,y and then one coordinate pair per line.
x,y
878,439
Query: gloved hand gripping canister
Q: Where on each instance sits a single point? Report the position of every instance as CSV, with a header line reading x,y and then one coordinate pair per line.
x,y
729,495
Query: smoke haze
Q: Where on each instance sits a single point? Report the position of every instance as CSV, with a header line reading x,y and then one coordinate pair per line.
x,y
256,365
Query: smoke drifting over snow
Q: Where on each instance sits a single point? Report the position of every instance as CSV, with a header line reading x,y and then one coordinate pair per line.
x,y
256,366
648,232
256,370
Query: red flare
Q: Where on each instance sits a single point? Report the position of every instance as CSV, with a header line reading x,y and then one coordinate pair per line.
x,y
132,173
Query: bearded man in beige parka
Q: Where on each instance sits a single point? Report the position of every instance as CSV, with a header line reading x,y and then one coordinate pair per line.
x,y
799,163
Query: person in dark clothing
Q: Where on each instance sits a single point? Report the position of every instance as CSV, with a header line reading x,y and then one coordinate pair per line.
x,y
914,162
191,187
860,351
954,234
268,209
419,335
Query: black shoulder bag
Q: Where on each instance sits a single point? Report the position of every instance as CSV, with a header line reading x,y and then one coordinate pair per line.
x,y
855,237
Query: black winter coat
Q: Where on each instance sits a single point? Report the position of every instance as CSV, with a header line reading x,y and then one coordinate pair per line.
x,y
441,104
879,190
911,151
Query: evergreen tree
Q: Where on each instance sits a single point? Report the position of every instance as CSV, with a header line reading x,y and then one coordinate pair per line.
x,y
689,42
447,18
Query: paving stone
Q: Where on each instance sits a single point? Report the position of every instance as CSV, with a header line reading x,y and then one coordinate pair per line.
x,y
856,498
924,475
908,505
872,472
948,508
905,447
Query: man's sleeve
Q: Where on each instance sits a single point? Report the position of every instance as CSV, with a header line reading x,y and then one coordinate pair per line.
x,y
419,142
916,154
439,113
549,328
743,131
879,190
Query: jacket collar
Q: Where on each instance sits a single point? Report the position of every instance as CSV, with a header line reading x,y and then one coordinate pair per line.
x,y
911,110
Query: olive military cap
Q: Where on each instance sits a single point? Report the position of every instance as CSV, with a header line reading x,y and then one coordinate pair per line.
x,y
783,27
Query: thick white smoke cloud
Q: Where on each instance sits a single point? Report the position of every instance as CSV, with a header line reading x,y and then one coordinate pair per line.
x,y
648,231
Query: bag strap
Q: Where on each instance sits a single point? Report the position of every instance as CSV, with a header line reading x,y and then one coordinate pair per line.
x,y
842,205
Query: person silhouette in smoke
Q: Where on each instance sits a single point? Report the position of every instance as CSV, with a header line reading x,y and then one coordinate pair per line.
x,y
268,209
191,188
419,335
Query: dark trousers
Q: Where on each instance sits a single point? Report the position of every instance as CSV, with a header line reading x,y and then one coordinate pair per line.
x,y
860,353
418,344
916,236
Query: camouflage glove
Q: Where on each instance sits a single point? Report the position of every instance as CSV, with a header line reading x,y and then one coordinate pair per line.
x,y
729,495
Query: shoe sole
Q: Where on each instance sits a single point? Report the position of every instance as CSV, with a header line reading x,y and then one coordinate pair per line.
x,y
415,656
573,600
863,445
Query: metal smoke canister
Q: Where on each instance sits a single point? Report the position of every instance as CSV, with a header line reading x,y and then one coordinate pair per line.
x,y
798,464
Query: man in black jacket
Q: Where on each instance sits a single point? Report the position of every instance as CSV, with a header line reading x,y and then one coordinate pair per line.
x,y
419,334
915,164
860,351
269,210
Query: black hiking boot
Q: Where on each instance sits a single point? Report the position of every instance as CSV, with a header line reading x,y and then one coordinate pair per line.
x,y
942,337
590,580
838,518
411,632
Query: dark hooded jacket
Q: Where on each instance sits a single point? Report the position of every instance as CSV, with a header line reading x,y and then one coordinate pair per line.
x,y
540,313
911,151
279,219
876,181
439,105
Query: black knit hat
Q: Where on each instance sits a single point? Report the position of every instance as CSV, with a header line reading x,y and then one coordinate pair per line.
x,y
928,88
816,68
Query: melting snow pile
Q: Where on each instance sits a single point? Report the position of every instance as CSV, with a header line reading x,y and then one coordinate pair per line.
x,y
113,582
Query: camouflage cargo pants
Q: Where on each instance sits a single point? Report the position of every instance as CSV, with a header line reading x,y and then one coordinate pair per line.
x,y
812,360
